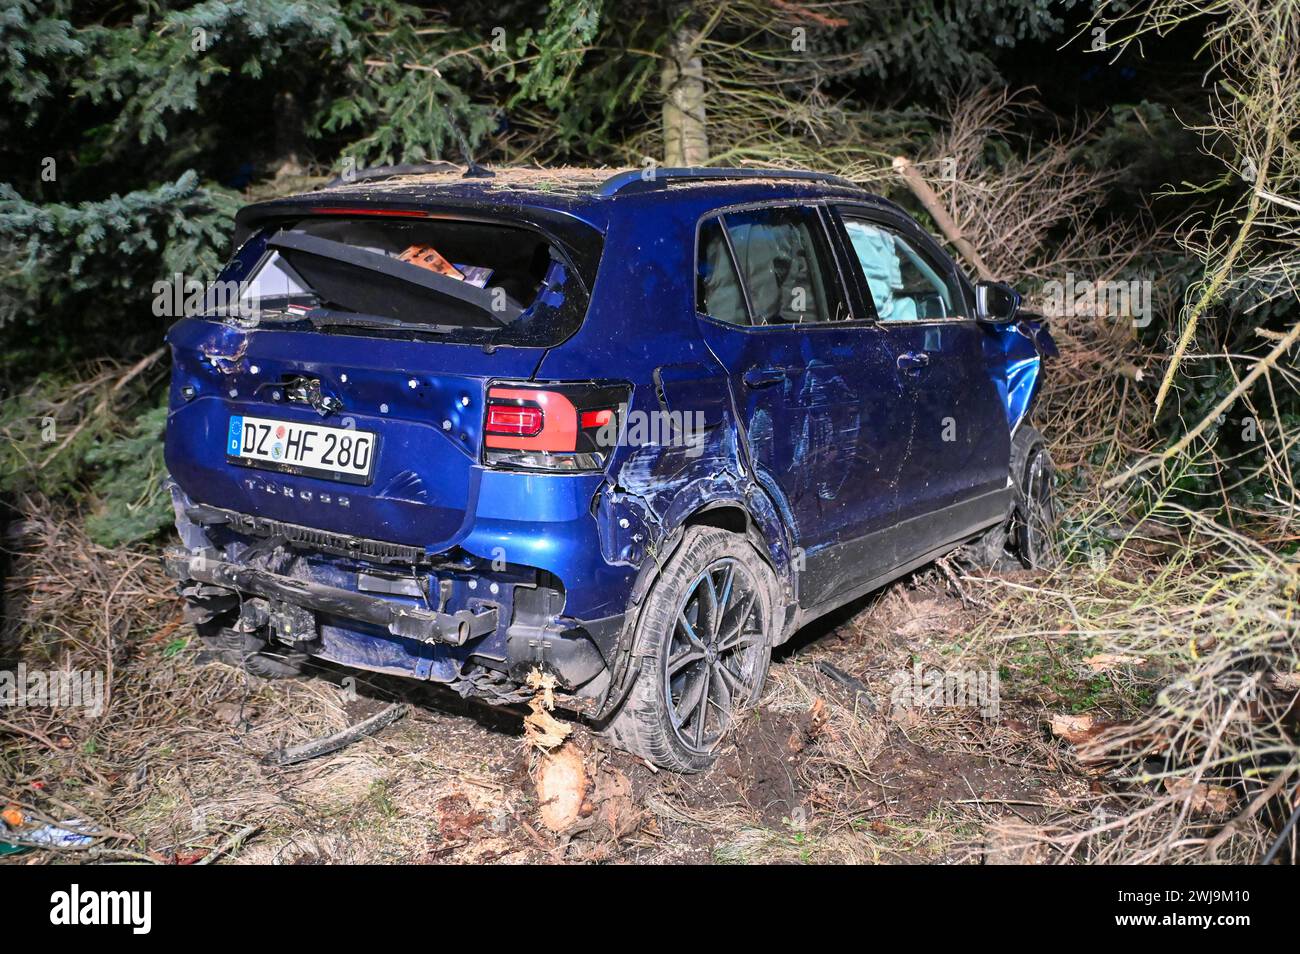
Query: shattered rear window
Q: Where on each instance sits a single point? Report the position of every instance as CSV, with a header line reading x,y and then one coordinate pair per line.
x,y
390,276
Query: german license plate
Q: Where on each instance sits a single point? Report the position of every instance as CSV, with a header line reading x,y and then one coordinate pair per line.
x,y
337,453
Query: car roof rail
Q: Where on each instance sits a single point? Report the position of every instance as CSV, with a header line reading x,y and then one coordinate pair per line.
x,y
388,172
645,180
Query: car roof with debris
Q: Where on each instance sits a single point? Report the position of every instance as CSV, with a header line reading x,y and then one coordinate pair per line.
x,y
588,194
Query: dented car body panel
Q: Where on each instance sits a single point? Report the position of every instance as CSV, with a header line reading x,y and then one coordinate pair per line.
x,y
1015,365
463,551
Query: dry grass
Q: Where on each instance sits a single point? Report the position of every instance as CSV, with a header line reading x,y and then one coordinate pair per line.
x,y
172,769
165,760
820,774
1201,767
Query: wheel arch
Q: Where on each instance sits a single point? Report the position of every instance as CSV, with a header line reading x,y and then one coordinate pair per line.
x,y
743,509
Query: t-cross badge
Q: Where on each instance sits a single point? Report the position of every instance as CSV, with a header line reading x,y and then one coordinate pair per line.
x,y
631,432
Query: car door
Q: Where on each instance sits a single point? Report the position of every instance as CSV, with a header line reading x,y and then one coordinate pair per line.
x,y
819,401
954,473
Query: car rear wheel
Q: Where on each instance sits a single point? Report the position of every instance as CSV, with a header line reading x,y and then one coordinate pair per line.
x,y
704,641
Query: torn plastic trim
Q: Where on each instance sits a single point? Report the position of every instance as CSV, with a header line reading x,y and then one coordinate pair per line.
x,y
654,491
398,618
637,515
532,628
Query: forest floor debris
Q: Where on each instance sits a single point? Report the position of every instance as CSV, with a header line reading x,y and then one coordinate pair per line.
x,y
855,754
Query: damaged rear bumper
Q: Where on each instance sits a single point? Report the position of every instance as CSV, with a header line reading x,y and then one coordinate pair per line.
x,y
409,622
452,618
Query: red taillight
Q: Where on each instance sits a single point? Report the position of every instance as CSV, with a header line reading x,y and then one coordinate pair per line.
x,y
570,426
530,419
511,421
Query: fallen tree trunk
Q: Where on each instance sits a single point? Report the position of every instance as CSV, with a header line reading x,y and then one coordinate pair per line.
x,y
927,197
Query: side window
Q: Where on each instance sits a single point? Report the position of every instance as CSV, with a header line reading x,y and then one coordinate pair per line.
x,y
905,284
717,288
786,265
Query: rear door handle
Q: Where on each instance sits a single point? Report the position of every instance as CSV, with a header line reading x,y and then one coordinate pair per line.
x,y
911,362
764,377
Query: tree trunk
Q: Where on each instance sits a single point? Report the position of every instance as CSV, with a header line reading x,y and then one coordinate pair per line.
x,y
288,134
686,141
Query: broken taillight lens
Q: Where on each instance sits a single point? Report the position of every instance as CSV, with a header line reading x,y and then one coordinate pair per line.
x,y
567,427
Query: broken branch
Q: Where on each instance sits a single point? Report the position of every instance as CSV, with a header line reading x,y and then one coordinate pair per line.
x,y
1261,366
332,743
928,198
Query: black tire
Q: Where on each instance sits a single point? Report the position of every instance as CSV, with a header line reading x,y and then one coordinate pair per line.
x,y
989,550
1010,543
250,652
699,668
1034,518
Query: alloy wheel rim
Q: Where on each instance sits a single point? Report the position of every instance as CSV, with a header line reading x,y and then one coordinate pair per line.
x,y
712,662
1040,521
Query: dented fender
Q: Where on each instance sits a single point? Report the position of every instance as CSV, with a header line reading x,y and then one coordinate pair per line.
x,y
654,492
1016,359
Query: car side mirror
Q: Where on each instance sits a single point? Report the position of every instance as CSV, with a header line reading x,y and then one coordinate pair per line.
x,y
996,302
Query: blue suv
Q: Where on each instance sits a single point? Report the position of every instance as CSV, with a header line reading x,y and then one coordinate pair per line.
x,y
632,432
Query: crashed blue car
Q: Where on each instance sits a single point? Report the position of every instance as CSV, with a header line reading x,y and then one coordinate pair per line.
x,y
629,432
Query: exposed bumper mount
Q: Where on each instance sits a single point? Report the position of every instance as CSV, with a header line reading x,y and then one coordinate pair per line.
x,y
400,619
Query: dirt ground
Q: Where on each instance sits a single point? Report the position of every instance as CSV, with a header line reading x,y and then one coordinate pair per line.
x,y
833,766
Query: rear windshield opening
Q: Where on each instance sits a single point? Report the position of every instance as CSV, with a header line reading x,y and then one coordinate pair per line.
x,y
389,276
